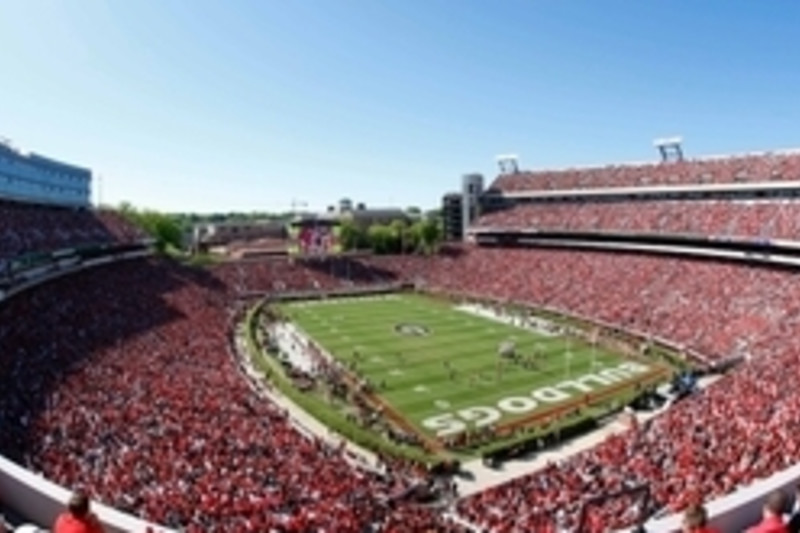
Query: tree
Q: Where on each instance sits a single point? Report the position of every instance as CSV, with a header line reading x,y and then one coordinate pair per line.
x,y
381,238
163,228
125,209
398,228
166,230
412,237
431,234
352,236
398,236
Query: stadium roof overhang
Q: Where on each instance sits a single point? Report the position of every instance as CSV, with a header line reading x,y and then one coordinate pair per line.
x,y
600,192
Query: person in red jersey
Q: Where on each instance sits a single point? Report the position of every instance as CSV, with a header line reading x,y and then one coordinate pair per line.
x,y
772,521
695,520
78,518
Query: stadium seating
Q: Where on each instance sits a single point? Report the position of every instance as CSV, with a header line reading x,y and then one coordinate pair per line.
x,y
119,379
743,219
740,169
280,274
151,378
26,228
705,306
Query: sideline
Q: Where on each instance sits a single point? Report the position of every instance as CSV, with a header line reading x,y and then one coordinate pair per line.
x,y
286,334
300,419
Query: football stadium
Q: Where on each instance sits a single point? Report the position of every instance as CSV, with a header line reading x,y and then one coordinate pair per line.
x,y
553,349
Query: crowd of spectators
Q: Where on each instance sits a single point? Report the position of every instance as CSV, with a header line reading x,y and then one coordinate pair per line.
x,y
119,380
763,219
738,169
302,274
717,309
26,228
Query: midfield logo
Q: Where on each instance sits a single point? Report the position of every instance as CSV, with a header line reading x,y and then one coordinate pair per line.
x,y
412,330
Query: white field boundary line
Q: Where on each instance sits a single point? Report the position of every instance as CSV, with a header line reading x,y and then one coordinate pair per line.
x,y
343,300
538,325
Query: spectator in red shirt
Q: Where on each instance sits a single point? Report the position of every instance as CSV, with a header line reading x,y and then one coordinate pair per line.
x,y
695,520
78,518
772,521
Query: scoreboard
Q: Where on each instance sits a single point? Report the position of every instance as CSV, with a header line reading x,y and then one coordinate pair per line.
x,y
314,237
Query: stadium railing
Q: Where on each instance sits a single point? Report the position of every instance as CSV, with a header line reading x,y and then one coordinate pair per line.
x,y
779,252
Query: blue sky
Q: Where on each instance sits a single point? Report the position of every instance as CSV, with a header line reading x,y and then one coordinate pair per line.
x,y
207,105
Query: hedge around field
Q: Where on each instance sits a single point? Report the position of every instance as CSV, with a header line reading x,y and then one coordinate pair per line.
x,y
336,421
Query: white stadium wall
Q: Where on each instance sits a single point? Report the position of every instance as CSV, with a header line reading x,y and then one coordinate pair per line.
x,y
739,510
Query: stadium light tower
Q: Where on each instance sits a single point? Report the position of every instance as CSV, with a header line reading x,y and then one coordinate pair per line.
x,y
508,163
670,149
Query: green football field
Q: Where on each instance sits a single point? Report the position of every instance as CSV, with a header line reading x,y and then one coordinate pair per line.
x,y
439,364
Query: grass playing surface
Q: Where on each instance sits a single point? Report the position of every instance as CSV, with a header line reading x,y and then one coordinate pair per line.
x,y
411,360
